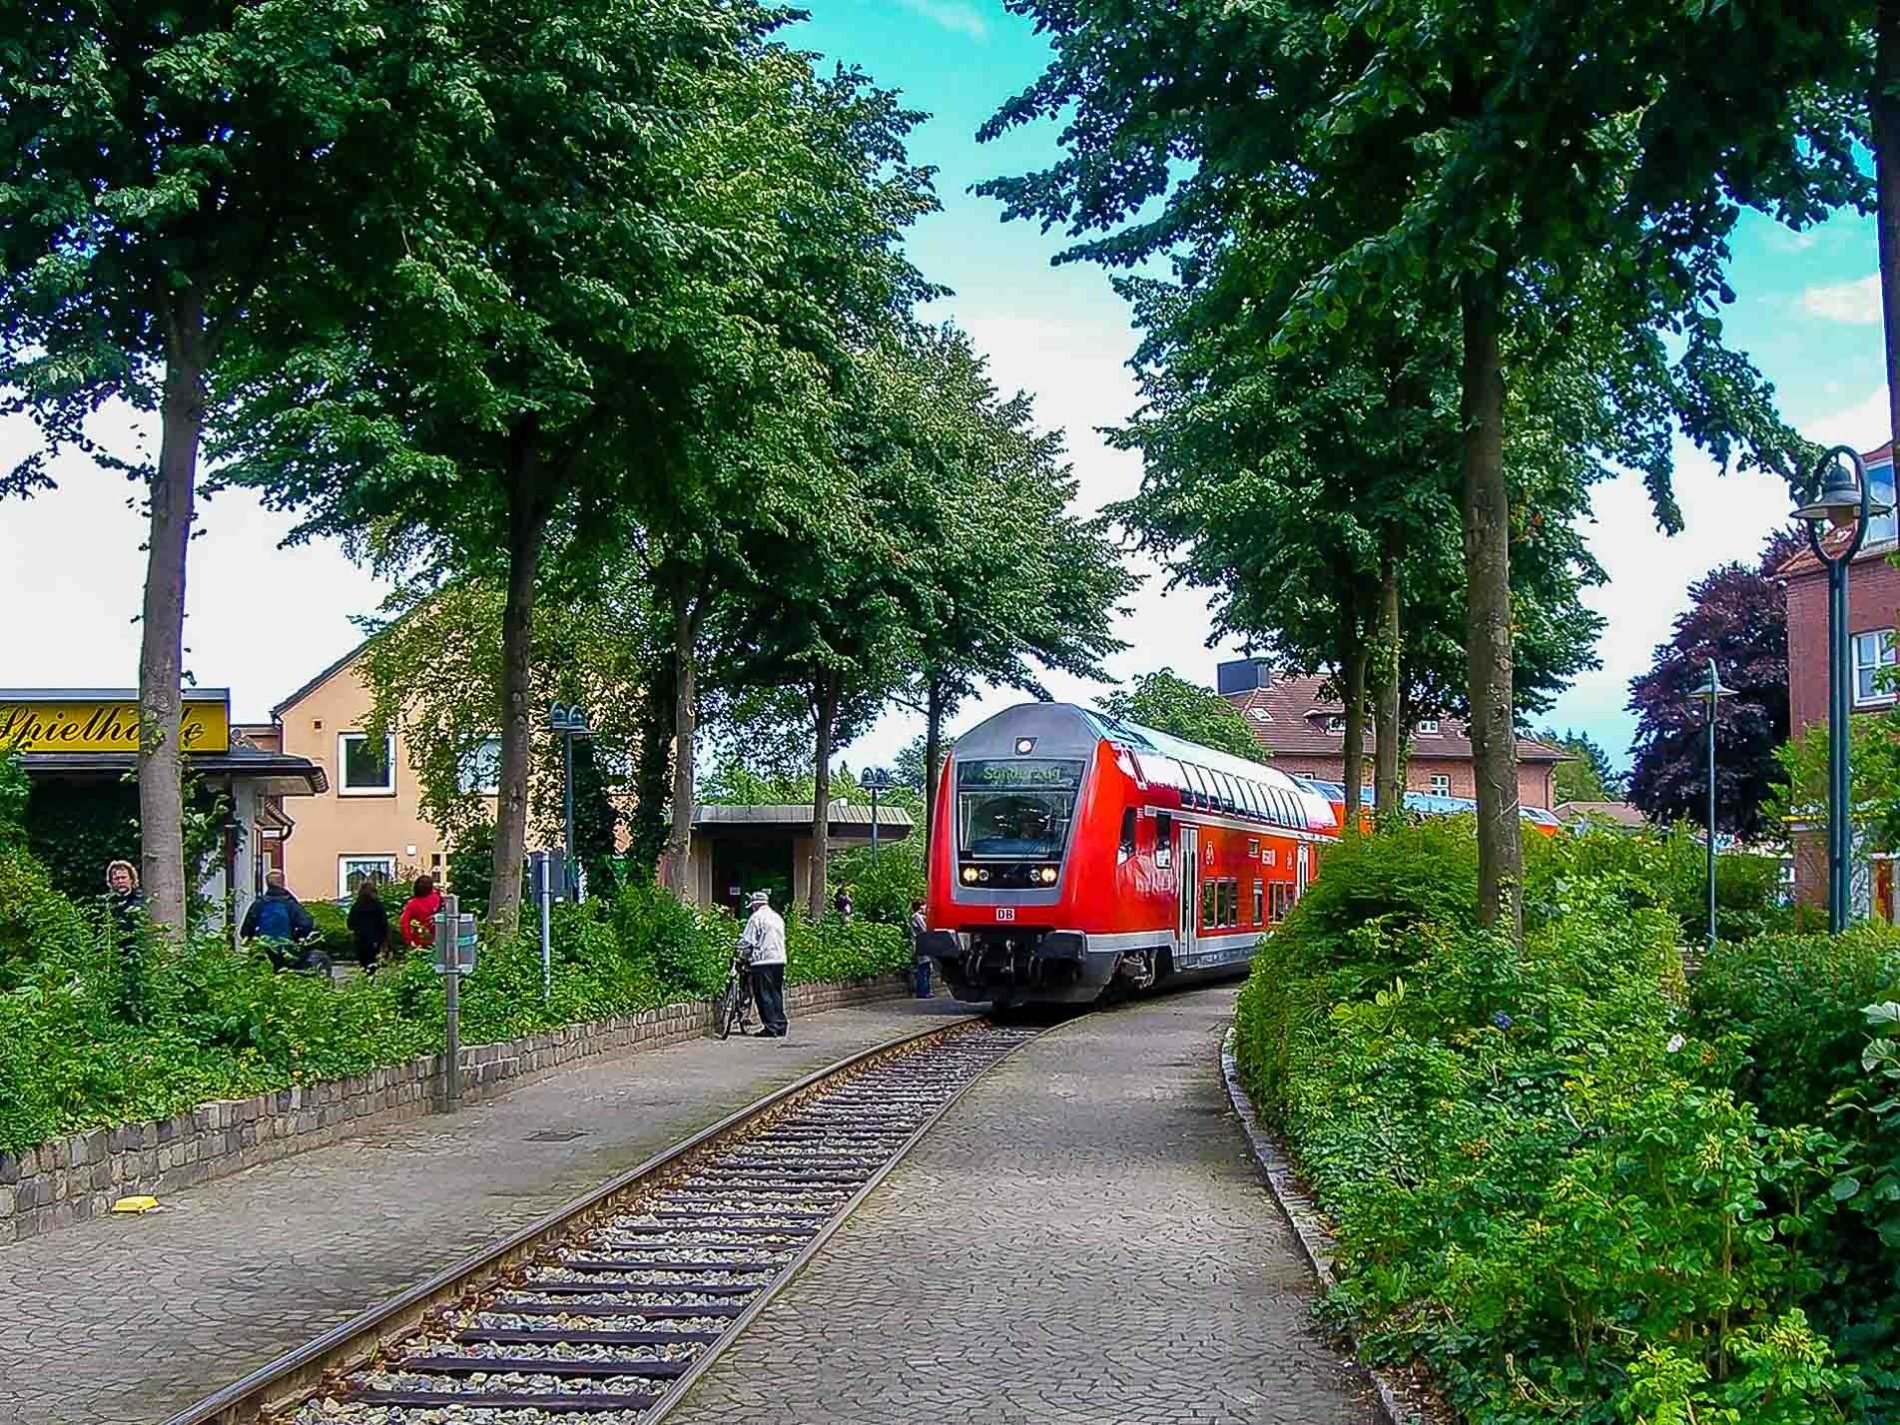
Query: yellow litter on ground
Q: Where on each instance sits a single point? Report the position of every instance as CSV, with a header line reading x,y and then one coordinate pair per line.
x,y
135,1204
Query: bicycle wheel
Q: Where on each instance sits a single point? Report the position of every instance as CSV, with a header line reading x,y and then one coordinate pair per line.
x,y
731,1009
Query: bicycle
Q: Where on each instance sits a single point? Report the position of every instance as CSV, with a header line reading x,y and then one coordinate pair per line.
x,y
734,1007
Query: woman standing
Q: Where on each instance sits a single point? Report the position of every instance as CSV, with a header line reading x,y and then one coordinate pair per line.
x,y
418,916
369,924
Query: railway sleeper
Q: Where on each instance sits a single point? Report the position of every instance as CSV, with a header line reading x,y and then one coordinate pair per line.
x,y
537,1366
579,1336
567,1403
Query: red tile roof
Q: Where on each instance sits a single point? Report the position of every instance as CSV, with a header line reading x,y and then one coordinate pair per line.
x,y
1296,715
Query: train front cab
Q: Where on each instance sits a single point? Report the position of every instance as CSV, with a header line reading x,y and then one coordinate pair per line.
x,y
1017,811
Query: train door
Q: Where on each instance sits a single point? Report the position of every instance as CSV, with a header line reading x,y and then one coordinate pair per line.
x,y
1187,856
1302,870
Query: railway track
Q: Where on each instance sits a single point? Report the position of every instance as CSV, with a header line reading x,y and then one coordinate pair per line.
x,y
607,1310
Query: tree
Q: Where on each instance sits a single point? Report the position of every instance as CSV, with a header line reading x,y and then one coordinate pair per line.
x,y
162,167
1014,577
433,669
760,473
1169,703
1737,616
1589,775
1550,177
581,286
1328,541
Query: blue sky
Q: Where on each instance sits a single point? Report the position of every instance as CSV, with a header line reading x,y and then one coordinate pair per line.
x,y
261,619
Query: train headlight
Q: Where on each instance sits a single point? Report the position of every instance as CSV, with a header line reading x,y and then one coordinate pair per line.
x,y
969,875
983,875
1047,875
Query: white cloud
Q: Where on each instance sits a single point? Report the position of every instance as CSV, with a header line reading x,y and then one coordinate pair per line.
x,y
957,18
1725,517
259,619
1857,302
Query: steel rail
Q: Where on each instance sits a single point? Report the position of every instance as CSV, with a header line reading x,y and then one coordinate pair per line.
x,y
300,1372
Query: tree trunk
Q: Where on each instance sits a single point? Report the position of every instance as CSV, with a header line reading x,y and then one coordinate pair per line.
x,y
173,498
527,523
1886,128
1487,537
1353,692
1388,734
824,705
933,758
679,843
652,784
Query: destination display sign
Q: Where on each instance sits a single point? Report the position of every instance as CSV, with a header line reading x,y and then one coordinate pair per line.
x,y
1019,772
101,725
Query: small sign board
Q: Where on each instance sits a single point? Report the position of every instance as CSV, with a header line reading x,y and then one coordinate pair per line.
x,y
464,944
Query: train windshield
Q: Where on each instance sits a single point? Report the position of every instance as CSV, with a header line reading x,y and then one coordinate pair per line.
x,y
1020,808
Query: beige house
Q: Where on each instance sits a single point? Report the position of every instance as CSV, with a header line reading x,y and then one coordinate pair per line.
x,y
369,821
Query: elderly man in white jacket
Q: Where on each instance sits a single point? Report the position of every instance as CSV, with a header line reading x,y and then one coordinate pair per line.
x,y
764,942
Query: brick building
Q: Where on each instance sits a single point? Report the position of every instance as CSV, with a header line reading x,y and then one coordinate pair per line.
x,y
1873,598
1307,735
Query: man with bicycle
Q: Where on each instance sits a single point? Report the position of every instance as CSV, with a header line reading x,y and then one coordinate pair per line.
x,y
763,940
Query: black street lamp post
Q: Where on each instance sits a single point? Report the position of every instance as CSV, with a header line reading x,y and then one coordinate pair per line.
x,y
1845,502
1712,692
570,720
876,780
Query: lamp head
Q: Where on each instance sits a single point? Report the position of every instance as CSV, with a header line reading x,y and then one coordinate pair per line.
x,y
1711,689
1839,501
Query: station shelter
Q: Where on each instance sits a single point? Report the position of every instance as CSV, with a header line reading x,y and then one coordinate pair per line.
x,y
740,849
79,748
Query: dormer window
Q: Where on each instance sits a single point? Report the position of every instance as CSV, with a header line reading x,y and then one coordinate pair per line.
x,y
1427,727
1335,724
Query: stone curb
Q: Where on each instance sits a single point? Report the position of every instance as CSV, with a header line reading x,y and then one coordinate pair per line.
x,y
72,1179
1399,1401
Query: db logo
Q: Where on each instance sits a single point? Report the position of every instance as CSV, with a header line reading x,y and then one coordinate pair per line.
x,y
1006,912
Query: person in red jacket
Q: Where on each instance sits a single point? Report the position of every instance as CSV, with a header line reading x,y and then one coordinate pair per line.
x,y
418,916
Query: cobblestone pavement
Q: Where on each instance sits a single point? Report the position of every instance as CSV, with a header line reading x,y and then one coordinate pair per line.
x,y
1082,1239
127,1320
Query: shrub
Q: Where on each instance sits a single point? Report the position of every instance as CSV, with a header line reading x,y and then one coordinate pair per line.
x,y
333,930
214,1024
1542,1183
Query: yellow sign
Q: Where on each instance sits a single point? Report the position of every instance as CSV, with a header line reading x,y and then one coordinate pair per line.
x,y
106,725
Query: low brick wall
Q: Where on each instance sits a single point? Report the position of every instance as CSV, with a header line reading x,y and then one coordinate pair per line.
x,y
67,1180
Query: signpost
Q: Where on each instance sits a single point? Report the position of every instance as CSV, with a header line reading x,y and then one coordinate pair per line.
x,y
455,950
543,869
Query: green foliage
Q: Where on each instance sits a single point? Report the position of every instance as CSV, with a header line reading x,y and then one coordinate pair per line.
x,y
1587,778
1169,703
216,1024
471,864
883,890
1544,1185
333,931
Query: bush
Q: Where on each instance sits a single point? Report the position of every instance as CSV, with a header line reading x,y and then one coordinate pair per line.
x,y
333,930
214,1024
1543,1184
883,890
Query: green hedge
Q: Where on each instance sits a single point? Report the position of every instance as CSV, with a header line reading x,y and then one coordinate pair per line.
x,y
213,1024
1547,1183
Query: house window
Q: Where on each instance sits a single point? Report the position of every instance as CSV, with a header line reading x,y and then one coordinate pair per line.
x,y
367,765
352,871
480,772
1427,727
1259,714
1882,527
1873,654
1441,784
1335,724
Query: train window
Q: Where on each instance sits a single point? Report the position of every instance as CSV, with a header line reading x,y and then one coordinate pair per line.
x,y
1253,791
1164,839
1197,786
1259,902
1128,833
1210,904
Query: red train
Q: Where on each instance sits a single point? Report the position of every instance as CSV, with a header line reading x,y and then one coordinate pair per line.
x,y
1072,851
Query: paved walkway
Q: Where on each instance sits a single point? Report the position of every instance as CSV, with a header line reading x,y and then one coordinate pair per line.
x,y
127,1320
1082,1239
